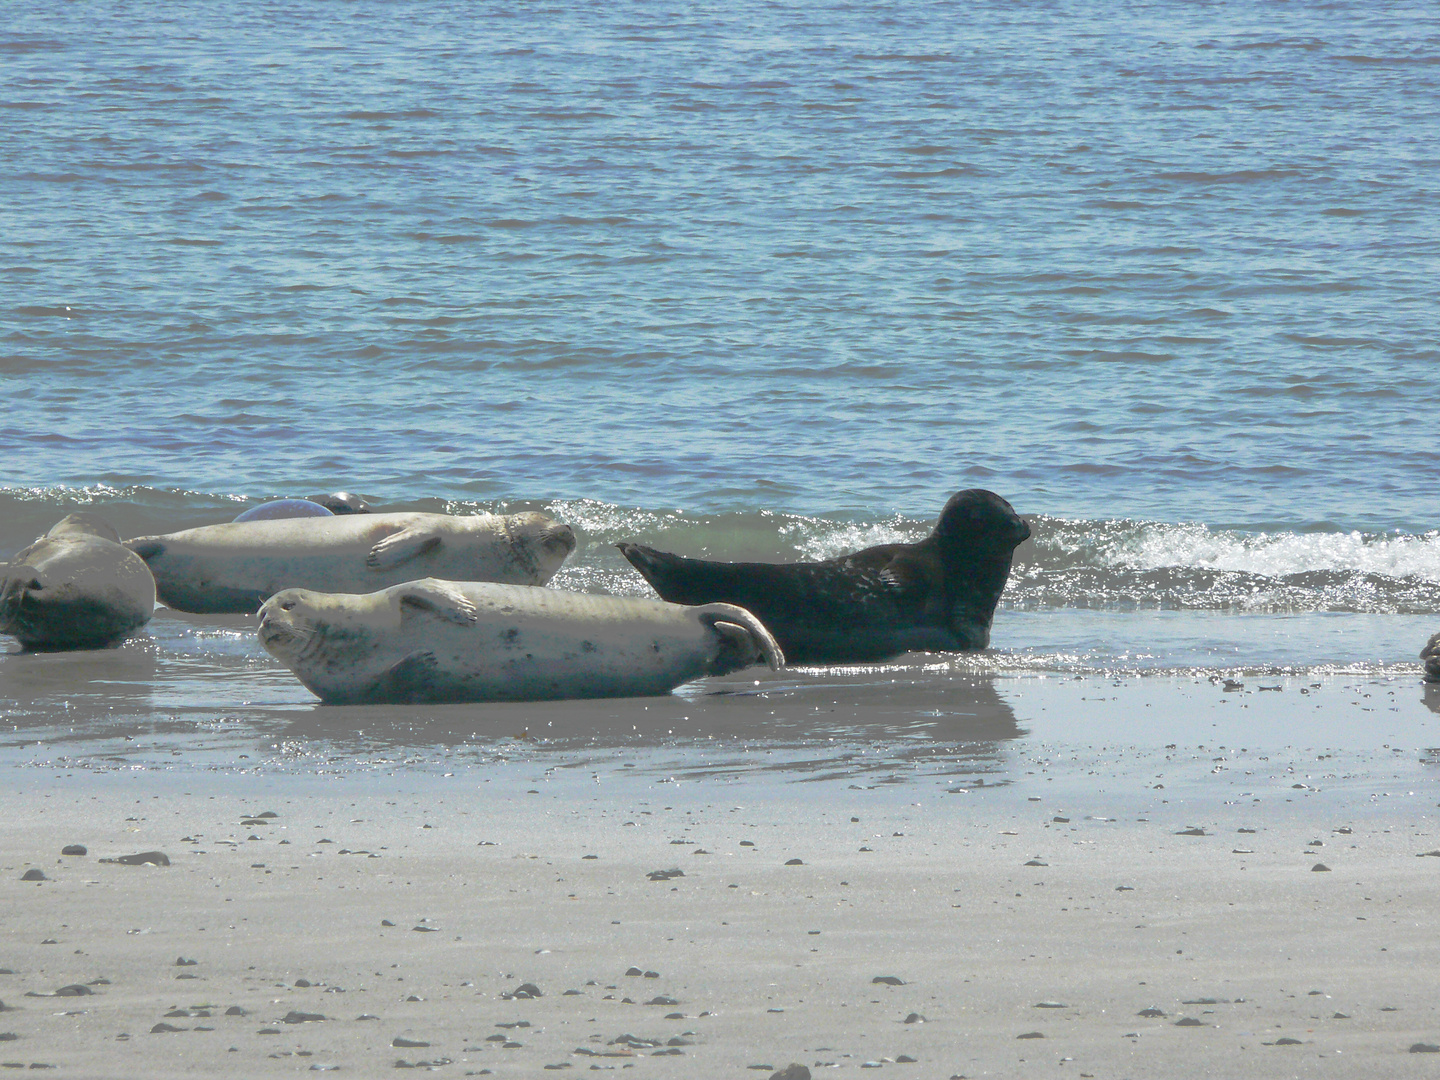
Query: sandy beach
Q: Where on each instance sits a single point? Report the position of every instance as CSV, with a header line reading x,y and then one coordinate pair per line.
x,y
1087,911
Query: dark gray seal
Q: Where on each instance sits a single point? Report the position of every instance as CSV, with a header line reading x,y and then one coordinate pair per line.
x,y
75,588
937,595
1431,655
285,508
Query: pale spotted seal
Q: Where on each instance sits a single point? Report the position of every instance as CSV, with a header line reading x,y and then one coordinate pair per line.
x,y
937,595
233,567
75,588
437,641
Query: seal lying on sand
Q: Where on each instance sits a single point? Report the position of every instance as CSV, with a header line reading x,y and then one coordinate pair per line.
x,y
433,641
938,595
338,502
1431,655
75,588
233,567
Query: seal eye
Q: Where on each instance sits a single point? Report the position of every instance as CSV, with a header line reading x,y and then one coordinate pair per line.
x,y
286,605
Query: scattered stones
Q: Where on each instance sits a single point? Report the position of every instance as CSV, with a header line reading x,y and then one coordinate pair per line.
x,y
144,858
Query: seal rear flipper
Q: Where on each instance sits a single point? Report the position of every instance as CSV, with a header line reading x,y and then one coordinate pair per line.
x,y
744,640
398,548
439,598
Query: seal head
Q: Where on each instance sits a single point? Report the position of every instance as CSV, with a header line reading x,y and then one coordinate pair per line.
x,y
937,595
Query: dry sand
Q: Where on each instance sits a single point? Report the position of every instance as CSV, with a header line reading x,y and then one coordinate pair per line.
x,y
378,924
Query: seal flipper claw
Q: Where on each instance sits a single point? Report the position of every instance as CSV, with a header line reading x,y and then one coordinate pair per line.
x,y
433,595
400,547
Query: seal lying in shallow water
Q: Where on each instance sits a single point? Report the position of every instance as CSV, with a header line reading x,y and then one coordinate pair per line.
x,y
1431,655
938,595
436,641
233,567
75,588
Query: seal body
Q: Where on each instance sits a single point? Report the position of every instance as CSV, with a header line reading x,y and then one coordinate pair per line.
x,y
1431,655
234,567
75,588
284,508
439,641
937,595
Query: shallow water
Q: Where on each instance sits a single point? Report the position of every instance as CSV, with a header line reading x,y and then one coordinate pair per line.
x,y
760,282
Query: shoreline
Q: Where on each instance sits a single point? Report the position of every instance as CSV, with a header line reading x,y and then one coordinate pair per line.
x,y
1063,901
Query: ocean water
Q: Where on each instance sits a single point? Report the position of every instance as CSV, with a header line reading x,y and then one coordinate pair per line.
x,y
755,280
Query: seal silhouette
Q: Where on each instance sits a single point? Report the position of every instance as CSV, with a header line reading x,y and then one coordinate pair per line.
x,y
75,588
1431,655
235,566
438,641
937,595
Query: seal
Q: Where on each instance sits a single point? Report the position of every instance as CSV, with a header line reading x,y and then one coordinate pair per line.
x,y
75,587
937,595
446,641
285,508
1431,655
337,502
233,567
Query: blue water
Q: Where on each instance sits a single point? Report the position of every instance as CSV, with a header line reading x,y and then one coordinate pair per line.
x,y
757,280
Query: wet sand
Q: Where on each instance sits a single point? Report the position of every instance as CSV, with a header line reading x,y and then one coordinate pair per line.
x,y
1167,911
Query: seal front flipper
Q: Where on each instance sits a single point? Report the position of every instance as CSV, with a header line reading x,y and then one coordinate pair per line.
x,y
397,548
439,597
147,547
407,681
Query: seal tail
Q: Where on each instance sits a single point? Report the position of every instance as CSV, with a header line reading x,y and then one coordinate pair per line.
x,y
744,640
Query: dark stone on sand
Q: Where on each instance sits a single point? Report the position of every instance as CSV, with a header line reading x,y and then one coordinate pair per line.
x,y
665,875
1424,1048
294,1016
913,1018
160,1029
386,922
793,1071
571,993
662,1000
1205,1001
1151,1012
180,961
1050,1005
74,990
1320,866
523,992
152,858
407,1044
1287,1041
235,1010
1036,862
1340,1016
177,1012
1191,832
794,862
34,875
1188,1021
268,1031
74,849
425,929
1031,1035
904,1059
888,980
634,971
8,1036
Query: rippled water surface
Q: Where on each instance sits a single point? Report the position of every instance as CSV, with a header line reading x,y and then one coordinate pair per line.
x,y
755,281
